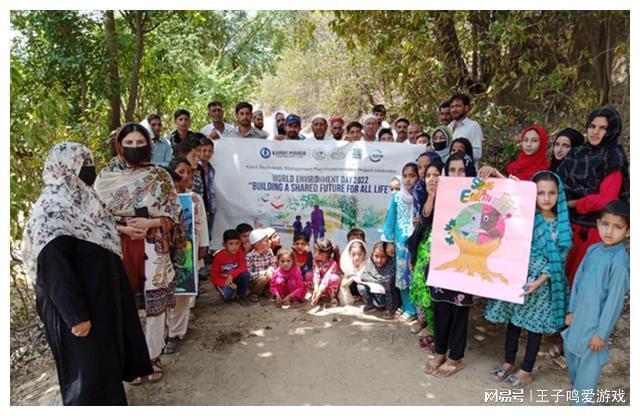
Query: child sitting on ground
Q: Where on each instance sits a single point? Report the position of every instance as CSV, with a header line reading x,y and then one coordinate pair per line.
x,y
286,284
261,263
303,257
377,286
597,298
229,270
274,240
326,277
352,262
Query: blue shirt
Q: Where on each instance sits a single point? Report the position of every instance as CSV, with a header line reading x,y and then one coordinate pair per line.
x,y
162,153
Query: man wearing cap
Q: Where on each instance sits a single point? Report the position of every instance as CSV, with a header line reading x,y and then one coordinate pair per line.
x,y
371,125
261,263
319,127
337,130
258,119
217,128
244,116
292,127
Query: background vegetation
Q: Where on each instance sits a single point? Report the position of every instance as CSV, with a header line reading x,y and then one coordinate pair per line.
x,y
79,75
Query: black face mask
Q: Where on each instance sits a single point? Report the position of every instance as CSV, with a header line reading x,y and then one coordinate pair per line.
x,y
439,145
281,130
135,155
88,174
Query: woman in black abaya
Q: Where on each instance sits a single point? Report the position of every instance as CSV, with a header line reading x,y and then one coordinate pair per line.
x,y
72,250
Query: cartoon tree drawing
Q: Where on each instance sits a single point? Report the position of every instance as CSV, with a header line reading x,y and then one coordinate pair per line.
x,y
477,231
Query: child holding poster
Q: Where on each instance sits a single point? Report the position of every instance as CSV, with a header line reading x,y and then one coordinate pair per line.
x,y
178,316
547,289
286,284
597,298
326,272
451,308
397,228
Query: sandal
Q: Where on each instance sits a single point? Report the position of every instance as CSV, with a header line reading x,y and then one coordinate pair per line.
x,y
432,365
158,372
561,362
253,297
447,369
418,326
428,343
514,381
498,374
136,381
388,315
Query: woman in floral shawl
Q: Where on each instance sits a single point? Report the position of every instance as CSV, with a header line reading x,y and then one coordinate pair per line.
x,y
71,250
143,199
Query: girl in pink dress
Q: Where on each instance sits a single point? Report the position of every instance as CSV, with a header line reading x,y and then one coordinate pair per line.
x,y
326,271
286,284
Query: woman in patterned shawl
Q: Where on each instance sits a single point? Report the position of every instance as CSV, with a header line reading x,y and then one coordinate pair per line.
x,y
143,199
71,250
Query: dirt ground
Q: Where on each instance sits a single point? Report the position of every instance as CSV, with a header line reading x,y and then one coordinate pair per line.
x,y
261,354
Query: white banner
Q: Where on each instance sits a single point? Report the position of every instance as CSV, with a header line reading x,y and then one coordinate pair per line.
x,y
319,187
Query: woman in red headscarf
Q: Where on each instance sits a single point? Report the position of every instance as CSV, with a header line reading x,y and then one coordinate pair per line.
x,y
533,156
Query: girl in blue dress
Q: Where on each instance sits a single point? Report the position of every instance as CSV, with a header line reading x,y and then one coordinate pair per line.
x,y
547,289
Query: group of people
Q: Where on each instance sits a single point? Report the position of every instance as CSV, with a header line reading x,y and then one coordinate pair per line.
x,y
101,246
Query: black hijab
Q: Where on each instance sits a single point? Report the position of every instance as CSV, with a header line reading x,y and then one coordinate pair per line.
x,y
584,168
575,137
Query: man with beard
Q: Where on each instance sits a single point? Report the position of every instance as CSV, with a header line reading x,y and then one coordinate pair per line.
x,y
337,130
279,132
319,127
402,124
444,113
258,119
217,128
292,127
244,115
463,126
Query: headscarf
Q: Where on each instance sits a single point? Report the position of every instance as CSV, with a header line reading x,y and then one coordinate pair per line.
x,y
525,166
575,137
346,265
67,207
432,155
584,168
468,147
381,275
469,167
444,153
420,189
556,252
405,194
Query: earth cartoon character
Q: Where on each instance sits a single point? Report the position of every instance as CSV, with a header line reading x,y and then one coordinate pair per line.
x,y
477,231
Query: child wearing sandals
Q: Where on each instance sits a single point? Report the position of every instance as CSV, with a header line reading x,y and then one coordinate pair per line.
x,y
450,308
286,284
352,262
547,289
377,281
398,227
597,299
326,272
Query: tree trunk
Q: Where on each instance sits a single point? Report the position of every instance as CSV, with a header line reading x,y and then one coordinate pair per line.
x,y
138,27
113,76
458,75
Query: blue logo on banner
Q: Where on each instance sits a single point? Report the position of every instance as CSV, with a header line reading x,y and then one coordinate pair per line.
x,y
376,155
265,152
